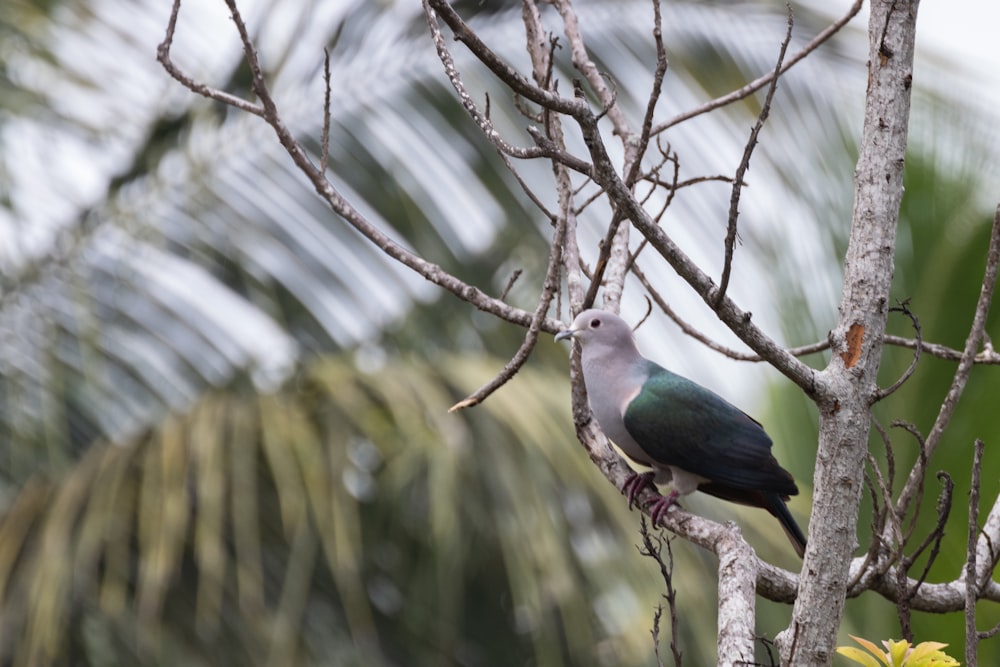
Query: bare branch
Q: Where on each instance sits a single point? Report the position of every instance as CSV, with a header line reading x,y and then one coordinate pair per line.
x,y
549,287
971,555
268,111
972,344
741,170
702,338
482,119
988,356
325,139
163,56
759,83
653,547
918,348
574,107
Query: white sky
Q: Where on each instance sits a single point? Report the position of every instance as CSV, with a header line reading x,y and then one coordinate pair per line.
x,y
965,31
969,29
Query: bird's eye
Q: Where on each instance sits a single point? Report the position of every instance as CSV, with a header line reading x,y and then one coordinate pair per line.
x,y
594,323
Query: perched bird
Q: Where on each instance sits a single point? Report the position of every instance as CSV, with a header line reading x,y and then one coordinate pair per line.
x,y
687,434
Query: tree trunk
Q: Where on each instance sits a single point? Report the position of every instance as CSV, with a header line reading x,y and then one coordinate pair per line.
x,y
850,379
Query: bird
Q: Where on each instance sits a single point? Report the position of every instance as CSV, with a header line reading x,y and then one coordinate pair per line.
x,y
692,438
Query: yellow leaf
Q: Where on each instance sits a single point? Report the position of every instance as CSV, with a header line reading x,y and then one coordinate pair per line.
x,y
857,655
873,649
897,652
926,654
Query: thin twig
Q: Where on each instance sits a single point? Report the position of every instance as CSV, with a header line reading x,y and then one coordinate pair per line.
x,y
718,178
575,106
549,287
705,340
741,170
972,636
759,83
510,283
972,343
604,254
338,204
653,548
987,356
662,63
163,56
936,535
878,523
879,394
325,141
645,316
920,467
481,119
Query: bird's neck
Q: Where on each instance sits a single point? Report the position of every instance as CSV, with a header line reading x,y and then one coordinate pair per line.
x,y
602,358
614,371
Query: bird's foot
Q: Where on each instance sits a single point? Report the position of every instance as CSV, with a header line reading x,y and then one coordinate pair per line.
x,y
658,507
634,485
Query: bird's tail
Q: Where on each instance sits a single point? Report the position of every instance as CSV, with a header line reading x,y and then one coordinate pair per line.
x,y
776,506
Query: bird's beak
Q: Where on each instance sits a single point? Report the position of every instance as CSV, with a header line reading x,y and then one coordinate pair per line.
x,y
563,335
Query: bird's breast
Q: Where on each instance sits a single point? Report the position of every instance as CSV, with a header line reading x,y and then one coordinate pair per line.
x,y
608,405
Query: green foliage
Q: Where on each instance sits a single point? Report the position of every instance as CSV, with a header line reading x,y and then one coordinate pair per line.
x,y
348,519
899,654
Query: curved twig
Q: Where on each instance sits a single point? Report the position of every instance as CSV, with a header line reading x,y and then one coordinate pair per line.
x,y
762,81
972,343
879,394
705,340
338,204
549,287
741,170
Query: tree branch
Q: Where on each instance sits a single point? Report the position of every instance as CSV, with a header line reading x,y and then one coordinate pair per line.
x,y
762,81
481,119
965,364
741,170
549,288
267,110
971,558
574,107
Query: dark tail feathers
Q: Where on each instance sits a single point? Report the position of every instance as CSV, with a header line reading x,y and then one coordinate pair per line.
x,y
776,506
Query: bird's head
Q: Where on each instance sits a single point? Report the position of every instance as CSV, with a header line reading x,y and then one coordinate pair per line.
x,y
597,326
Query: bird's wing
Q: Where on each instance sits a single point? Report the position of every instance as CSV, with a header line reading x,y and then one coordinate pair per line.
x,y
678,422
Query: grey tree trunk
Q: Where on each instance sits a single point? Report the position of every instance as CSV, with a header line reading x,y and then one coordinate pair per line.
x,y
849,382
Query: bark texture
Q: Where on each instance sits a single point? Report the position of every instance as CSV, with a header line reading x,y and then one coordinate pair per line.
x,y
849,382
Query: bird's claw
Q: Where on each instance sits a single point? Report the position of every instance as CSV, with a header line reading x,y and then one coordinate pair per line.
x,y
658,506
635,484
